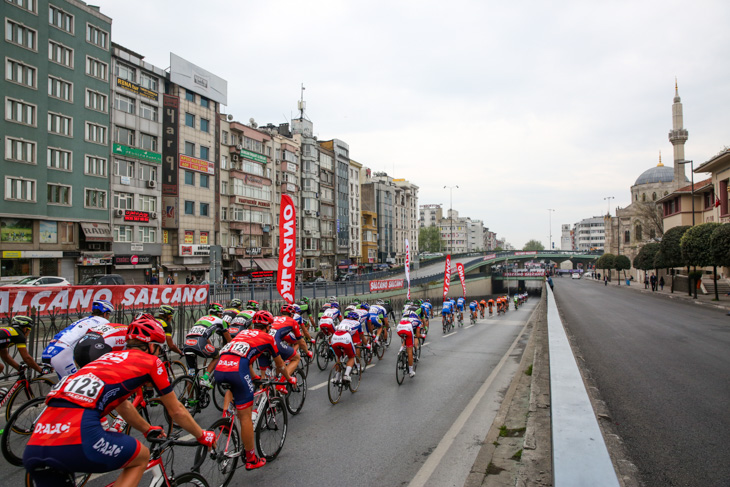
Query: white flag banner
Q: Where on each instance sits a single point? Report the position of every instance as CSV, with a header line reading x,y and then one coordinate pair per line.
x,y
408,268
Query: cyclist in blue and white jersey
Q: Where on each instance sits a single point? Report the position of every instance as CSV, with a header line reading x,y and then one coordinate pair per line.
x,y
377,318
446,310
427,309
473,307
60,352
460,306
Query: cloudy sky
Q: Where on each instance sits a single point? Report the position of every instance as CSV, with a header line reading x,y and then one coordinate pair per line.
x,y
525,105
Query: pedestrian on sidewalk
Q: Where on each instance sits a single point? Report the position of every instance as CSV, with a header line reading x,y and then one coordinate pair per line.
x,y
605,280
661,283
652,280
646,281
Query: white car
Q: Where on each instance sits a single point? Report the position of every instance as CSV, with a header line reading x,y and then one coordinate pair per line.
x,y
40,281
575,275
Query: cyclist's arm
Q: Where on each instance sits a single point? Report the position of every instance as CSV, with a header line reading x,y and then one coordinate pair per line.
x,y
171,345
280,368
132,416
180,415
5,356
28,360
227,336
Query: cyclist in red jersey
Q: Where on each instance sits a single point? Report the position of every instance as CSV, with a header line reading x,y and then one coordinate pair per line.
x,y
288,337
68,436
234,368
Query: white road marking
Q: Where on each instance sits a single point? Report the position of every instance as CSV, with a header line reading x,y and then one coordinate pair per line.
x,y
450,334
468,326
323,384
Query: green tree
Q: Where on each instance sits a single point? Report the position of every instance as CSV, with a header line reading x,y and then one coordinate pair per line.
x,y
621,263
671,252
533,245
720,245
696,250
646,257
429,240
606,262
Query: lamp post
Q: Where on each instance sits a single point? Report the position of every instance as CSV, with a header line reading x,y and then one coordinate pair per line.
x,y
451,212
550,220
692,192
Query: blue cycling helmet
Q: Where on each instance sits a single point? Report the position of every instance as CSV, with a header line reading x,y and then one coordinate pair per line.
x,y
365,306
414,315
102,306
335,305
352,316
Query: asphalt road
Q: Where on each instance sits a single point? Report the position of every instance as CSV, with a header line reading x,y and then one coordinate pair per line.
x,y
662,367
427,431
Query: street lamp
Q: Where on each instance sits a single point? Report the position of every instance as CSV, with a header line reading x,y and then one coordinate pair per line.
x,y
550,215
692,175
609,198
451,212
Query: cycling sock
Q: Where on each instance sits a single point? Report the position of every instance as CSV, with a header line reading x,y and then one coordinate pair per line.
x,y
348,370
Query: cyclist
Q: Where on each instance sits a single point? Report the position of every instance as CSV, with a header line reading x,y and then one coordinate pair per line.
x,y
347,335
427,311
473,308
460,307
408,328
60,352
17,334
517,301
306,311
100,339
234,368
164,316
446,311
242,321
234,307
288,337
482,307
69,436
389,310
253,306
331,311
490,305
303,324
197,341
376,317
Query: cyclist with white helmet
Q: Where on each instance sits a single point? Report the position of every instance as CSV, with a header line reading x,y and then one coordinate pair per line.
x,y
60,352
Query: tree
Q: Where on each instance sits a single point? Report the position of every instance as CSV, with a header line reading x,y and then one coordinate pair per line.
x,y
696,251
621,263
605,262
533,245
646,257
720,245
651,216
670,251
429,240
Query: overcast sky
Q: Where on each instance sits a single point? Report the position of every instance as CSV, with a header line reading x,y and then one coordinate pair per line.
x,y
525,105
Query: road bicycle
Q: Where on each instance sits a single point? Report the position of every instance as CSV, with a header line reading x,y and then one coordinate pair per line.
x,y
335,384
461,318
25,389
175,368
481,312
195,396
156,467
447,322
473,317
401,364
322,350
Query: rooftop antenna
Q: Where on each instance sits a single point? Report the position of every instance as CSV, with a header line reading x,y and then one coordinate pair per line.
x,y
302,104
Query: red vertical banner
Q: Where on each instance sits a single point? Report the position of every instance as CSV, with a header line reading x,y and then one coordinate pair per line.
x,y
460,270
287,249
408,268
447,276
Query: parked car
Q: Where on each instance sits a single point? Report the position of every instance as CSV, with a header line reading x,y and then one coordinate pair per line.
x,y
575,275
103,280
316,279
40,281
346,277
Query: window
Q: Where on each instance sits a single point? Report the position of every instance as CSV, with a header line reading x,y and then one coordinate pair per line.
x,y
147,234
653,198
189,96
123,103
59,18
20,150
126,72
638,232
123,168
20,73
204,153
19,189
204,209
147,172
123,233
189,149
224,161
96,101
204,102
224,187
95,133
224,137
147,81
60,88
148,142
190,178
123,135
224,217
59,194
189,207
96,36
147,203
190,120
123,201
148,111
20,112
204,125
59,159
627,236
21,35
95,198
58,53
60,124
95,166
96,68
29,5
204,181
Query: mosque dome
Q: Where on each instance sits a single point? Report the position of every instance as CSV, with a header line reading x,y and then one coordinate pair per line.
x,y
658,174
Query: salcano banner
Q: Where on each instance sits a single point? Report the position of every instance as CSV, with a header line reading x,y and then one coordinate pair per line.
x,y
287,249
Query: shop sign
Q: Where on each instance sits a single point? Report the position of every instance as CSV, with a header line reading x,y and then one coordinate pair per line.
x,y
11,254
141,154
137,89
136,247
253,180
189,236
198,165
42,254
253,251
136,216
204,238
132,259
96,259
194,250
170,143
245,201
253,156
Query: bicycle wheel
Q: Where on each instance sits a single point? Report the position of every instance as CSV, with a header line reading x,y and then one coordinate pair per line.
x,y
355,377
186,391
401,367
379,349
304,362
219,463
389,340
156,414
175,369
271,429
295,399
367,357
18,430
323,354
191,479
38,387
334,391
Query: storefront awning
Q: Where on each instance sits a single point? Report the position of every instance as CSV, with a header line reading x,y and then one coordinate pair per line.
x,y
173,267
97,232
244,263
198,267
267,264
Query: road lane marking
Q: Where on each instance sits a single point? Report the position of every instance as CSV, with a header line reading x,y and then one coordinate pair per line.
x,y
468,326
433,461
450,334
319,386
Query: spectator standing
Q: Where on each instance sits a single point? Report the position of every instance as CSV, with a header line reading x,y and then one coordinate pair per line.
x,y
652,280
646,281
661,283
170,280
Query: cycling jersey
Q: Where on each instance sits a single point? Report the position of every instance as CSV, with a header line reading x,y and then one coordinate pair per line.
x,y
196,341
206,326
11,336
460,304
286,332
60,351
426,307
446,308
345,338
304,309
327,325
376,315
165,326
69,436
242,321
333,313
114,334
407,328
473,305
229,314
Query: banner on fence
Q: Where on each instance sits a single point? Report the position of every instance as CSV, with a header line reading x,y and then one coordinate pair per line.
x,y
460,270
287,249
73,299
447,276
386,285
408,268
538,273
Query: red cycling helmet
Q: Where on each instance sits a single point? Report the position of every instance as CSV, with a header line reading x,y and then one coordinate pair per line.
x,y
146,329
262,318
288,309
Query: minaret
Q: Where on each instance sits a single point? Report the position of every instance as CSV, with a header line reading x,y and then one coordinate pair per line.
x,y
678,136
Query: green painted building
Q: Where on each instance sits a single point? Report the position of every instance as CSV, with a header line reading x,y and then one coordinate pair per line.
x,y
54,209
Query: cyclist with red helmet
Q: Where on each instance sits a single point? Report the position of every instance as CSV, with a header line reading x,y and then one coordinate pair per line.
x,y
68,436
234,368
288,337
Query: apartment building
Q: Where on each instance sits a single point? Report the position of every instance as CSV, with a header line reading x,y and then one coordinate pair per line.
x,y
430,215
342,186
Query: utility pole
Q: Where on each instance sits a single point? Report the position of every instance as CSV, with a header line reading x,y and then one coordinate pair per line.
x,y
550,219
609,198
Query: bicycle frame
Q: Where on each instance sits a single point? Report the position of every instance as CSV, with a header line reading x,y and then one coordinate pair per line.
x,y
21,382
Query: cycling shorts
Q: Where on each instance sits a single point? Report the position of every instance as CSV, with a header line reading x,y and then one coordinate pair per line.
x,y
342,344
445,312
376,321
63,361
328,328
473,307
407,331
71,439
197,346
234,371
460,307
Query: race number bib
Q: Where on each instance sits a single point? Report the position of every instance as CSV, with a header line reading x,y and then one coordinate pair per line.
x,y
197,330
102,329
84,388
239,348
